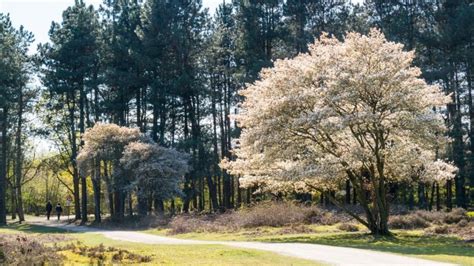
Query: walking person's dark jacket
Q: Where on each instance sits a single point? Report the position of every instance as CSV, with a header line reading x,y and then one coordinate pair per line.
x,y
59,210
49,209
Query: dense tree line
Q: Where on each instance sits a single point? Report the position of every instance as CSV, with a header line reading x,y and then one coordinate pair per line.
x,y
173,69
15,101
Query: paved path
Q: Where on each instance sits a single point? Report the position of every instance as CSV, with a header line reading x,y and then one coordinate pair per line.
x,y
319,253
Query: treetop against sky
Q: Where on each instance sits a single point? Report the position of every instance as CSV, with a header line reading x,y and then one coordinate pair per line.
x,y
36,15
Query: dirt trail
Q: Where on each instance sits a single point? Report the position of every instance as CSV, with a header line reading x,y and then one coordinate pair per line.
x,y
319,253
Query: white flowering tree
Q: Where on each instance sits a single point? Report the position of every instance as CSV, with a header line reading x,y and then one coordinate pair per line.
x,y
100,156
128,162
154,170
353,109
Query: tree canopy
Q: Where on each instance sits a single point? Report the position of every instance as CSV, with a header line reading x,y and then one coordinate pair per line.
x,y
138,165
354,109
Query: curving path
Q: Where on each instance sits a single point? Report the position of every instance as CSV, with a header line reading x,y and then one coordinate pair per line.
x,y
318,253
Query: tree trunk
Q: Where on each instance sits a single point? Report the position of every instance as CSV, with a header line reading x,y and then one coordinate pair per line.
x,y
375,205
348,192
82,100
13,201
469,76
97,190
172,207
421,196
438,198
19,158
430,207
142,205
119,201
216,168
84,198
73,141
459,154
449,195
3,165
159,206
130,204
96,187
411,197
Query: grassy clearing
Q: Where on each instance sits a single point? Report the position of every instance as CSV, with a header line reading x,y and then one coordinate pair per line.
x,y
159,254
441,236
414,243
198,254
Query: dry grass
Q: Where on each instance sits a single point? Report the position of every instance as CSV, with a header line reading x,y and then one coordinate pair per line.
x,y
456,222
102,255
294,219
272,214
424,219
347,227
408,221
27,250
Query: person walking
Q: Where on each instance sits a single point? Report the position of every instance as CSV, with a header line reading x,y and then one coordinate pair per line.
x,y
49,209
59,210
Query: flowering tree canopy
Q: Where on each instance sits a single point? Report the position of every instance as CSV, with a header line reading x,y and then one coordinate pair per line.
x,y
154,169
106,142
353,109
137,164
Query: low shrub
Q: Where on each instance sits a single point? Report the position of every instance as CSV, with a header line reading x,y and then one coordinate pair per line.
x,y
272,214
296,229
423,219
348,227
284,214
441,230
431,216
103,255
455,216
23,250
199,223
463,223
409,221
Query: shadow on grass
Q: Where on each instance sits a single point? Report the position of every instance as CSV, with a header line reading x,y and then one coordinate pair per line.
x,y
31,228
402,243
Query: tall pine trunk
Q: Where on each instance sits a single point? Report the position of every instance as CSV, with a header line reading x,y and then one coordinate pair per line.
x,y
82,99
3,165
19,159
73,140
96,186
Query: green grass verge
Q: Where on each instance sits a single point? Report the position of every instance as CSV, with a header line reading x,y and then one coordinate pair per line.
x,y
410,243
164,254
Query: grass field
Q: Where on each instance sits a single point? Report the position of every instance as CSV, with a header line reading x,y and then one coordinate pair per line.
x,y
416,243
406,242
160,254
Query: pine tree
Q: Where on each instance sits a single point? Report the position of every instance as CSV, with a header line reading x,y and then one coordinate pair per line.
x,y
69,63
15,68
172,39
